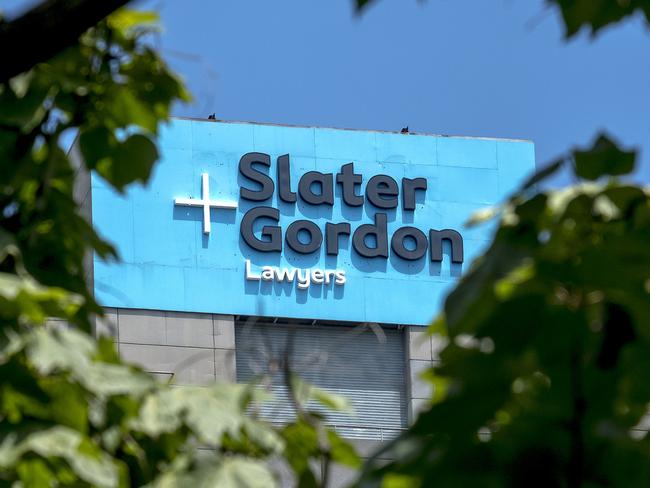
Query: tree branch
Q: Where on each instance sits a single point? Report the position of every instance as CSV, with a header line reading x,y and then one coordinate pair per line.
x,y
46,30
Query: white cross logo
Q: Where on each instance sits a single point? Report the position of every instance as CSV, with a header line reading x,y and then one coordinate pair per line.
x,y
204,202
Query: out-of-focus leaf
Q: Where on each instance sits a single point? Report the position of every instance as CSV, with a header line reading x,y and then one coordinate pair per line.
x,y
127,110
20,84
361,4
167,410
543,174
96,144
124,19
301,445
548,330
59,442
63,349
482,216
335,402
394,480
604,158
305,392
342,451
26,111
597,14
227,473
139,151
30,302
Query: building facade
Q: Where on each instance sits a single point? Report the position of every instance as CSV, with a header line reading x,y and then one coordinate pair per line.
x,y
255,246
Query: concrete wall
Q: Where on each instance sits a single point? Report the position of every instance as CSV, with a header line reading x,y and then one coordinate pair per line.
x,y
421,354
182,348
193,348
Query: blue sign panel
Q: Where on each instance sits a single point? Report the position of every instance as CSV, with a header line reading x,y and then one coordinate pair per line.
x,y
311,223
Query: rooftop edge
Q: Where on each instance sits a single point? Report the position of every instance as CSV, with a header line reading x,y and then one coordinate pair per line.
x,y
197,119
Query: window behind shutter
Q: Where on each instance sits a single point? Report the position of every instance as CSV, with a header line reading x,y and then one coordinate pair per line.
x,y
366,366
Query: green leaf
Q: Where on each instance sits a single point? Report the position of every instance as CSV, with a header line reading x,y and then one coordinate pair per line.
x,y
301,445
97,145
604,158
543,174
26,111
362,4
227,473
31,303
20,84
342,451
127,110
305,392
395,480
597,14
72,351
65,349
87,462
339,403
169,409
481,216
125,20
131,161
560,301
35,472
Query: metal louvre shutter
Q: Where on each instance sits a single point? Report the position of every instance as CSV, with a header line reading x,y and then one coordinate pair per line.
x,y
352,361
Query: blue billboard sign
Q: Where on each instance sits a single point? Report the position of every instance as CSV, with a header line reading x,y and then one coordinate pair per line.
x,y
296,222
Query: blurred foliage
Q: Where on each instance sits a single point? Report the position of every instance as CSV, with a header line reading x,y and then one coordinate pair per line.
x,y
71,414
576,14
113,90
543,382
597,14
544,378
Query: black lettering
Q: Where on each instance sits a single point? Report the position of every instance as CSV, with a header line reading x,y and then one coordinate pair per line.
x,y
380,230
408,191
381,186
273,232
332,233
284,180
348,179
436,237
246,169
315,236
421,243
325,181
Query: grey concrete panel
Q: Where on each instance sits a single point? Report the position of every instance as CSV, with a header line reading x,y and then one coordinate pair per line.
x,y
190,365
367,448
142,326
419,387
283,472
224,365
417,406
419,343
340,476
224,331
438,343
166,378
56,323
106,326
189,329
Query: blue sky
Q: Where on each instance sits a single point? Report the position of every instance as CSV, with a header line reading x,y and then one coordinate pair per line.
x,y
497,68
471,67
